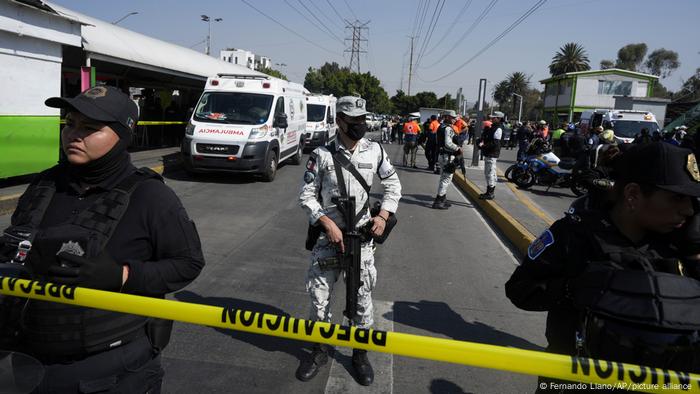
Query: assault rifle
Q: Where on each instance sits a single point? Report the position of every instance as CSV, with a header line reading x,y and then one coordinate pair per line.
x,y
351,259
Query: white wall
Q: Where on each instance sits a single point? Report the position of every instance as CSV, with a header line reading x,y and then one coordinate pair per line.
x,y
587,90
31,73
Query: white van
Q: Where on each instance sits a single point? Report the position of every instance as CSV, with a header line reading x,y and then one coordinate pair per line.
x,y
320,120
626,124
245,123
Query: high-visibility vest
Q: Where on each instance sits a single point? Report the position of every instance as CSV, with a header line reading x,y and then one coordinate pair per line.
x,y
410,128
434,126
459,126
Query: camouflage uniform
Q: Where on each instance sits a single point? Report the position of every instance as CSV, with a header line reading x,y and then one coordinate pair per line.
x,y
319,187
447,157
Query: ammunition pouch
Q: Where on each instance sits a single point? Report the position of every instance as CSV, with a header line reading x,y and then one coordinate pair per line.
x,y
158,333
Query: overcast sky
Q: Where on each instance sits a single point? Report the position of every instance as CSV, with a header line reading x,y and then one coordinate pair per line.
x,y
601,26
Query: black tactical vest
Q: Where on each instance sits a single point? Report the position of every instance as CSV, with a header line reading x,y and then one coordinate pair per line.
x,y
492,147
638,307
57,330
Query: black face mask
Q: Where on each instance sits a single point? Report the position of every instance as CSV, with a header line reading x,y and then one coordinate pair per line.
x,y
356,130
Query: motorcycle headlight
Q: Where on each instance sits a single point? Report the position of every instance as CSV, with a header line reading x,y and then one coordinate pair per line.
x,y
189,129
258,133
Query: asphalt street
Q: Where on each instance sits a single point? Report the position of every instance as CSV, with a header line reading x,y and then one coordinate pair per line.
x,y
554,201
441,274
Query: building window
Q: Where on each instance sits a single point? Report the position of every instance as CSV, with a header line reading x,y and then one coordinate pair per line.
x,y
562,87
615,88
236,62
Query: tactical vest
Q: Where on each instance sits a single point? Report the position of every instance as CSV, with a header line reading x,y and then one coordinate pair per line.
x,y
637,307
492,147
56,330
441,136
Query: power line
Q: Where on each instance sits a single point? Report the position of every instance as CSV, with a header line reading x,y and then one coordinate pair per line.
x,y
308,20
452,25
471,28
322,13
433,23
288,29
423,12
415,19
351,11
335,10
319,20
512,26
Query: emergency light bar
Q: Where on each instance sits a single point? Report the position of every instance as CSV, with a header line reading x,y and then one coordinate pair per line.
x,y
242,76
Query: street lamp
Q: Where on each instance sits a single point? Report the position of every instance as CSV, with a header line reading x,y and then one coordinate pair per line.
x,y
206,18
124,17
520,111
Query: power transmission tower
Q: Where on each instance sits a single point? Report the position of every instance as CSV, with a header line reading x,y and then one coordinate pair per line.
x,y
410,66
356,42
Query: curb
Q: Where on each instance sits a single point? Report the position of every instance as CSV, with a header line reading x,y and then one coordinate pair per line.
x,y
9,202
513,230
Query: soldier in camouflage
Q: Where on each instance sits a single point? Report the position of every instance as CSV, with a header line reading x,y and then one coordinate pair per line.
x,y
316,198
448,149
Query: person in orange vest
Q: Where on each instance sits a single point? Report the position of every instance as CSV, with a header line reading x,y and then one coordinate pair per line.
x,y
459,125
410,142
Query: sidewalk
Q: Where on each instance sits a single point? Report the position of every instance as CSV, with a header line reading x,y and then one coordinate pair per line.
x,y
157,160
511,211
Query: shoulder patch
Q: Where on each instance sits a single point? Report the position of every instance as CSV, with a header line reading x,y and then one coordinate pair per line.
x,y
309,177
311,163
540,244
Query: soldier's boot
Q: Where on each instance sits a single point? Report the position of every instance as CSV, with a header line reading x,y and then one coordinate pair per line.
x,y
309,367
489,195
365,373
440,202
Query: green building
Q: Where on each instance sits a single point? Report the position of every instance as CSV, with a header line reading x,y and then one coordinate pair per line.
x,y
566,96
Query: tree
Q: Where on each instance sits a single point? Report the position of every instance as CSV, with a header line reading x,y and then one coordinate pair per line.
x,y
690,90
340,81
501,93
662,62
660,90
518,82
570,58
404,104
273,73
606,64
426,99
630,56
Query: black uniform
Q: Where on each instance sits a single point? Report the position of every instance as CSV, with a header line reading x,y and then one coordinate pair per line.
x,y
85,223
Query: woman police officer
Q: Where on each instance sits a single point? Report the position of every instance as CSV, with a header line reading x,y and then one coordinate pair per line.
x,y
603,272
96,221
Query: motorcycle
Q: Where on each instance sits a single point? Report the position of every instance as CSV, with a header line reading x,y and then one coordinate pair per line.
x,y
547,169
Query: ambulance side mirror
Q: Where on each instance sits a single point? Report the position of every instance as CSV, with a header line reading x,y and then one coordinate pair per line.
x,y
280,121
331,120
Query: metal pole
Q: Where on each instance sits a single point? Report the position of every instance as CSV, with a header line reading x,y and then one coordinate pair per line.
x,y
520,111
208,35
479,120
410,67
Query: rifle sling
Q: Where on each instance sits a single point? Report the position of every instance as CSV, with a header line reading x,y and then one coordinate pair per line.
x,y
342,162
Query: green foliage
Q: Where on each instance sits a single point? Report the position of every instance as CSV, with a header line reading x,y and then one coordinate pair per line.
x,y
630,56
518,82
662,62
570,58
273,73
660,90
606,64
403,104
340,81
690,90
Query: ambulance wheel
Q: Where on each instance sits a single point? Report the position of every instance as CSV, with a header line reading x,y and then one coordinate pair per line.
x,y
296,159
270,167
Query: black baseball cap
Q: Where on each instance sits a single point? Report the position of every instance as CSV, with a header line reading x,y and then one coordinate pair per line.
x,y
105,104
663,165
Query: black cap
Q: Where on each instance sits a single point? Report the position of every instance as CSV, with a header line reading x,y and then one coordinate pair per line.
x,y
105,104
663,165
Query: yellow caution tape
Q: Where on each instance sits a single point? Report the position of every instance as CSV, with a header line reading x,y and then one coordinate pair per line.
x,y
595,373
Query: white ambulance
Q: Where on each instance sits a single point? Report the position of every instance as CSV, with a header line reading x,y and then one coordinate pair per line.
x,y
246,124
626,124
320,120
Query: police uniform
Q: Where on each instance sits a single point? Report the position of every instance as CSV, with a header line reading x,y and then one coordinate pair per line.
x,y
448,151
491,150
582,271
84,226
319,188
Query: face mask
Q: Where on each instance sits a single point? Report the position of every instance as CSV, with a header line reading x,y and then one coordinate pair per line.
x,y
356,130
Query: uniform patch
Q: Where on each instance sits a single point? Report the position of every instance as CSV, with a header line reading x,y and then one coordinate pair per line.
x,y
309,176
311,164
540,244
364,165
72,247
692,167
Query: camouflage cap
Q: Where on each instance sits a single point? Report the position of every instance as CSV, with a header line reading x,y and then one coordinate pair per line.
x,y
351,106
449,112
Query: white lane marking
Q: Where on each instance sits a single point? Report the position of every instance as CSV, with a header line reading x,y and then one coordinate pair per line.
x,y
341,382
478,214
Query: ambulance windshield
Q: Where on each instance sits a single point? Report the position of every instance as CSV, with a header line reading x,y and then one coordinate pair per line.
x,y
234,108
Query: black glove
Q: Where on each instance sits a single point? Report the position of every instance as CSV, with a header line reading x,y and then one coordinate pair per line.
x,y
100,272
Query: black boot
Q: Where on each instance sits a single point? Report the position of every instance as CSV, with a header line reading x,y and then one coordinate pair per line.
x,y
365,373
309,367
489,195
440,202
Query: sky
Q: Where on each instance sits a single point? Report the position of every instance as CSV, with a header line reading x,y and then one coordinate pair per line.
x,y
458,34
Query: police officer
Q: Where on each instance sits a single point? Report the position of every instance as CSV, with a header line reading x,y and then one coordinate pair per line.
x,y
316,198
591,270
491,149
431,149
96,221
448,149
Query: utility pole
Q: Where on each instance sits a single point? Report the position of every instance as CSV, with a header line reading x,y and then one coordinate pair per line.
x,y
479,120
356,28
410,66
207,19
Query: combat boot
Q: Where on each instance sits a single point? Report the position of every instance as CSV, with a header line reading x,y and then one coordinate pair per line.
x,y
309,367
489,195
440,202
365,373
